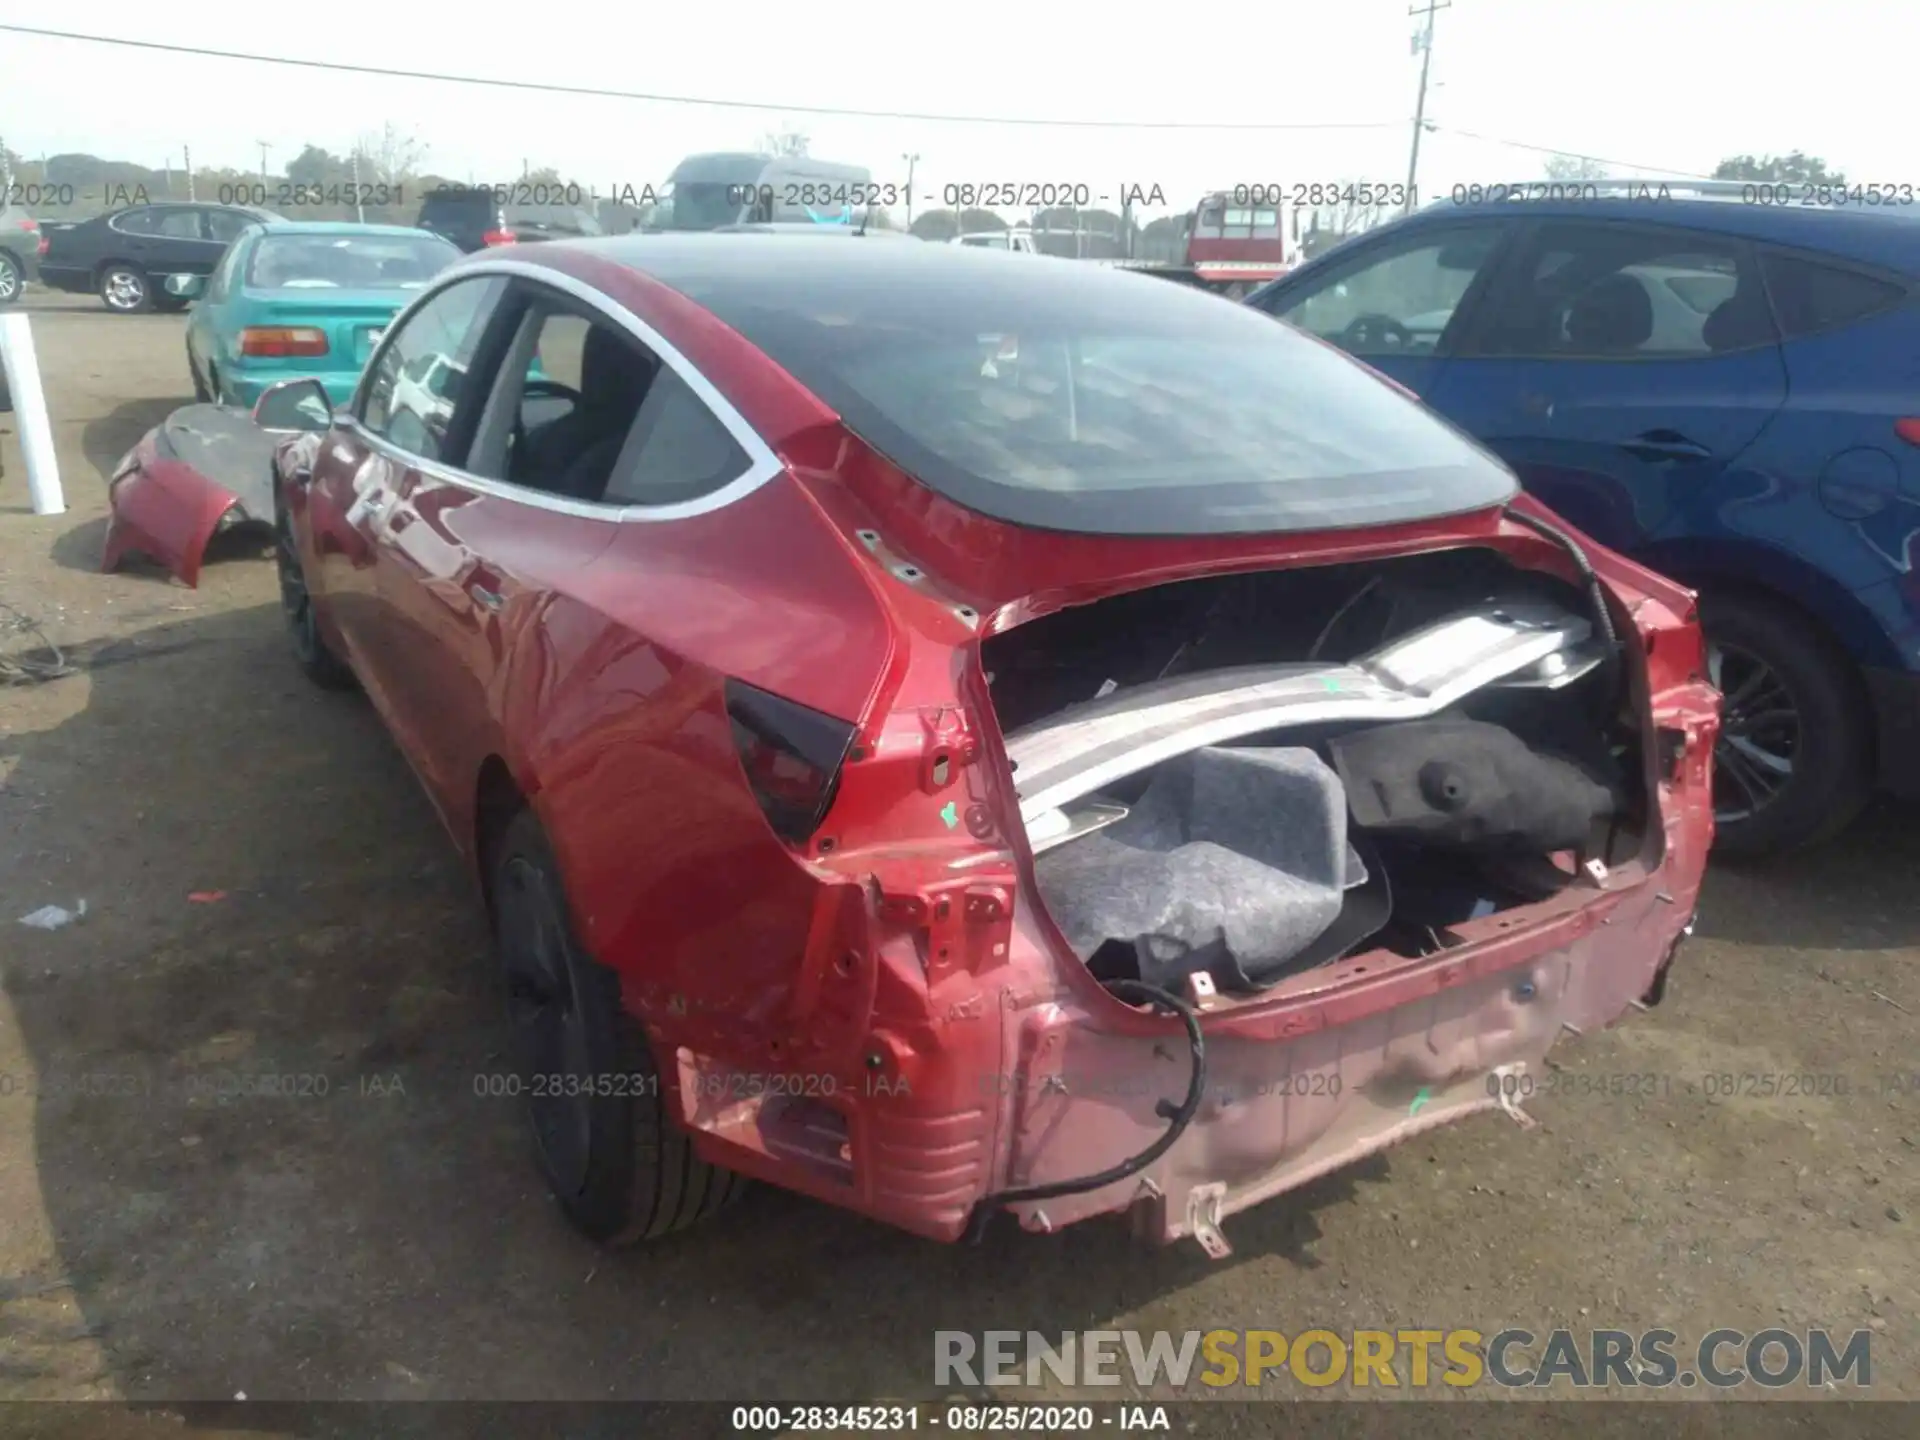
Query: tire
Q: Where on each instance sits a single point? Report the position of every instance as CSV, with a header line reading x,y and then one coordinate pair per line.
x,y
310,650
125,290
200,391
1790,697
620,1168
12,280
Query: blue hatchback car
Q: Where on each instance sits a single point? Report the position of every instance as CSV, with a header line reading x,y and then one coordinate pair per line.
x,y
297,298
1727,391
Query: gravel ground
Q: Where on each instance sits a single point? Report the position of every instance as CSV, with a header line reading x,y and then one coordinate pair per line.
x,y
386,1239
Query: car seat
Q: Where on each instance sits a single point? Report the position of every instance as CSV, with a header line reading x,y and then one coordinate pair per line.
x,y
1741,320
1611,317
573,455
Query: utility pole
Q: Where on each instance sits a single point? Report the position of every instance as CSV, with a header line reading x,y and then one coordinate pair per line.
x,y
912,160
264,147
359,209
186,163
1423,42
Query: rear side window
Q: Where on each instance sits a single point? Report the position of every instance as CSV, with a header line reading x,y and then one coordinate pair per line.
x,y
137,222
421,381
1809,296
585,412
222,281
227,225
678,451
179,224
1593,291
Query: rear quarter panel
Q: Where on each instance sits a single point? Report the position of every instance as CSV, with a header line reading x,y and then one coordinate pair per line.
x,y
1829,501
612,711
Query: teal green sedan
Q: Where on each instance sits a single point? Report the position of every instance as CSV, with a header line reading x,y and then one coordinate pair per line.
x,y
297,298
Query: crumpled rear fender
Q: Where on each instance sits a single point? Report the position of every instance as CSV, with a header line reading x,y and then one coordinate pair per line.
x,y
163,509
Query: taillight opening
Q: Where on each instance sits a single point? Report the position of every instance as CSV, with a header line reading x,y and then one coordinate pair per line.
x,y
791,757
270,341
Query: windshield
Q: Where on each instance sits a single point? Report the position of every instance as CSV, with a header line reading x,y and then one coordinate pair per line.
x,y
699,205
1100,402
347,262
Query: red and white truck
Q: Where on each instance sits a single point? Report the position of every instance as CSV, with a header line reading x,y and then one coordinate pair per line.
x,y
1219,245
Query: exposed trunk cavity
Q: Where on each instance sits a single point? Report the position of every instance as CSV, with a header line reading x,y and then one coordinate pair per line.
x,y
1227,782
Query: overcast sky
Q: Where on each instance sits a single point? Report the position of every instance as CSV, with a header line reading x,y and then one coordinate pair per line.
x,y
1676,84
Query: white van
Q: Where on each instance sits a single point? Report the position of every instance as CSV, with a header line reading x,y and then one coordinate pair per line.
x,y
706,192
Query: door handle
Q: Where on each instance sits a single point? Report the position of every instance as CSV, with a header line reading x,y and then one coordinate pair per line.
x,y
486,599
1668,445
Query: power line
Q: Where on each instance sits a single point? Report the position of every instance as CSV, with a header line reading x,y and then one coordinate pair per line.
x,y
595,92
1570,154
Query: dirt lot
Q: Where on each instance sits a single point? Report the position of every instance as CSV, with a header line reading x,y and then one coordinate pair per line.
x,y
388,1240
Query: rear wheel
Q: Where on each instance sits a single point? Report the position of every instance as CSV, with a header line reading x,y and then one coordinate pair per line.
x,y
12,281
125,290
614,1159
1794,763
310,649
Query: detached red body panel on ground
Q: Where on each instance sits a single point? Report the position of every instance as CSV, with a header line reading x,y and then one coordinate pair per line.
x,y
166,511
173,490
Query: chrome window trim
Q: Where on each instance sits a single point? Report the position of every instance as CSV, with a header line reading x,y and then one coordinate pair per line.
x,y
763,464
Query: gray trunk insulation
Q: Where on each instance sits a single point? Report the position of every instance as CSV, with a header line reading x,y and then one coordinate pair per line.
x,y
1245,846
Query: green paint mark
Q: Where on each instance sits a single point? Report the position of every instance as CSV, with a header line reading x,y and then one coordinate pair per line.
x,y
1419,1100
1328,683
951,814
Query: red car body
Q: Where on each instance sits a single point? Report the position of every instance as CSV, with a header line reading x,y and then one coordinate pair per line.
x,y
855,1016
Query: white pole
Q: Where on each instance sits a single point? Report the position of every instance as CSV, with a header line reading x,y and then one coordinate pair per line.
x,y
30,411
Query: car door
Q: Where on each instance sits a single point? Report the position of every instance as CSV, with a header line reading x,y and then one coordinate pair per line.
x,y
224,226
1397,300
1621,369
181,243
383,445
474,555
134,235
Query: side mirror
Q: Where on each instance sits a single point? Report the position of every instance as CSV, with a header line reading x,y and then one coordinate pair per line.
x,y
185,287
296,405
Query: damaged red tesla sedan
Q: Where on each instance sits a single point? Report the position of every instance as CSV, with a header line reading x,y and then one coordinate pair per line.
x,y
952,736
